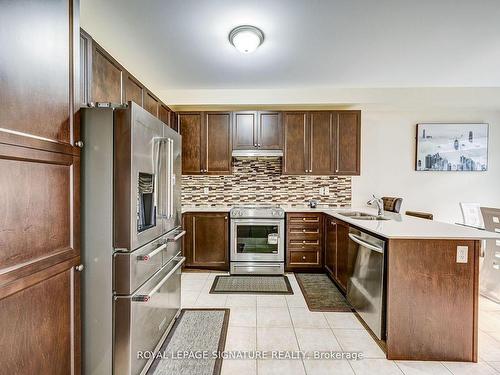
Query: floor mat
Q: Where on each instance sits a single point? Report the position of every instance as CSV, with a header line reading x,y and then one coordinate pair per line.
x,y
321,294
195,331
255,284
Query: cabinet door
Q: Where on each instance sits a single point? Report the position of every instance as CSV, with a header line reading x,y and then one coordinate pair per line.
x,y
270,131
133,90
342,256
164,114
331,246
348,135
296,151
218,143
106,77
151,103
321,143
190,127
244,130
206,244
43,325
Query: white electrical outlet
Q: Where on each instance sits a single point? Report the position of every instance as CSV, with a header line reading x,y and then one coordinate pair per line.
x,y
321,191
462,254
205,190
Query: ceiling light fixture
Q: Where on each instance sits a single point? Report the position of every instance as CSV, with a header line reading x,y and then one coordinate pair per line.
x,y
246,38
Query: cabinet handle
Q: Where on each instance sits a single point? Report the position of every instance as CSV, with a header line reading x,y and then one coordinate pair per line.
x,y
258,144
255,145
303,231
304,242
225,217
304,258
79,268
79,144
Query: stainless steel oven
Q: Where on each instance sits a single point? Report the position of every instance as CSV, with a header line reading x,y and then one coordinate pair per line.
x,y
257,240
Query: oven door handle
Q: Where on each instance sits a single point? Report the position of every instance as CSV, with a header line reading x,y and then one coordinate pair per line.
x,y
147,297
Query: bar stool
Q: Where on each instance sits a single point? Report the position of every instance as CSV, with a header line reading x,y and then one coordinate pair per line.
x,y
392,204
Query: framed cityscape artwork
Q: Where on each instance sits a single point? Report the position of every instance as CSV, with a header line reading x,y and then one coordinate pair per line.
x,y
452,147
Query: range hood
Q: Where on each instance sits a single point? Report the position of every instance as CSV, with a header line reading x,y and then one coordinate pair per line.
x,y
256,153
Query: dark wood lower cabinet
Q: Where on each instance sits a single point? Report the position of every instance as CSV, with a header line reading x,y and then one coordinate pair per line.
x,y
206,243
304,243
336,250
40,325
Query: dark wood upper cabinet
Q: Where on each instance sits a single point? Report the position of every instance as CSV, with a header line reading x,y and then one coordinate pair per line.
x,y
164,114
348,142
244,130
206,142
206,243
191,127
322,142
296,148
151,103
270,131
107,77
218,143
103,79
133,90
257,130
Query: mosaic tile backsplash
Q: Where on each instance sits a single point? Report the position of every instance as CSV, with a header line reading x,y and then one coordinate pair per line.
x,y
259,181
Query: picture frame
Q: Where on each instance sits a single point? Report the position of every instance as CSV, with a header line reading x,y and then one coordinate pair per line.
x,y
452,147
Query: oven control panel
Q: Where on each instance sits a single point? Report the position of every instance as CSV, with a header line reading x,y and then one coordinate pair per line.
x,y
257,212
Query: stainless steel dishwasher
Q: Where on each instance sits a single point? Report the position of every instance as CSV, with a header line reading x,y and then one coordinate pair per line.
x,y
365,286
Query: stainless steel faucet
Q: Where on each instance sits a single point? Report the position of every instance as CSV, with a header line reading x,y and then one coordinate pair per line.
x,y
380,204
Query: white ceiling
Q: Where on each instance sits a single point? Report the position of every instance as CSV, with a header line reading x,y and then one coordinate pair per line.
x,y
182,44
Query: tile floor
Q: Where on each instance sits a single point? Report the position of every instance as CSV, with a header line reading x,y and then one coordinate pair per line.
x,y
263,322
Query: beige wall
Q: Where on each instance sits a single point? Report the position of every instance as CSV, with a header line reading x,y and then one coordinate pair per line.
x,y
388,159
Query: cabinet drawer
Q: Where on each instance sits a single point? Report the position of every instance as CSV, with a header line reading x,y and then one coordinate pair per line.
x,y
306,258
304,232
304,244
304,219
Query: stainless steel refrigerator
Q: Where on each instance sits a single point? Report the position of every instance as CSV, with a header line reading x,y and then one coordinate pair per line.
x,y
131,217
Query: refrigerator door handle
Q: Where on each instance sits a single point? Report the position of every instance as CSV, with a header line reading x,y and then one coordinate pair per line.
x,y
171,178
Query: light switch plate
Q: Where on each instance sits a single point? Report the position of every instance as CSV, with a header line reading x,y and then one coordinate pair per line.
x,y
462,254
205,190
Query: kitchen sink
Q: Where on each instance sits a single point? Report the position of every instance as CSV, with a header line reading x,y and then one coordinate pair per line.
x,y
362,216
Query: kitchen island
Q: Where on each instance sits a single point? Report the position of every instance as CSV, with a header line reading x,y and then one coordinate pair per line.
x,y
431,293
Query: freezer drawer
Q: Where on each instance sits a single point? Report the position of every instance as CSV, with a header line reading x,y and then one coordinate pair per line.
x,y
142,319
133,269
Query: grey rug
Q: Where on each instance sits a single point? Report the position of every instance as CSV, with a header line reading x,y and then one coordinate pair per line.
x,y
255,284
320,293
195,331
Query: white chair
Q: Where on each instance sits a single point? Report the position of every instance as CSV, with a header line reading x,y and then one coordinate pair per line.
x,y
471,213
489,273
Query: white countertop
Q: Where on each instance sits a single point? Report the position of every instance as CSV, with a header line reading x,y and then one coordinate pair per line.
x,y
399,226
